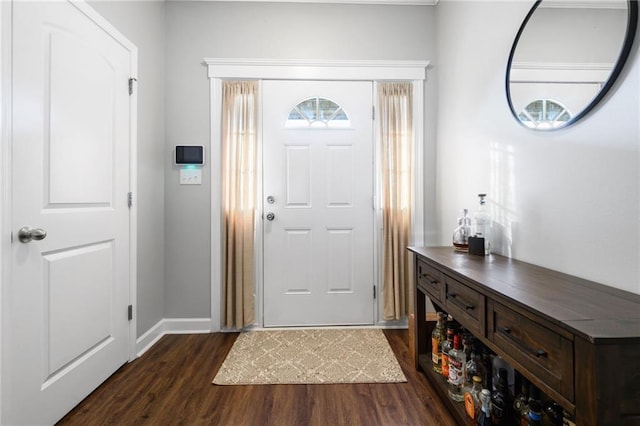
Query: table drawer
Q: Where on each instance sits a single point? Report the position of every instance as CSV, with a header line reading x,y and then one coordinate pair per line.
x,y
545,353
430,279
466,305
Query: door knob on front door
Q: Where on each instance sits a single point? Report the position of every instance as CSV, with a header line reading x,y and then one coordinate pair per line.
x,y
27,233
270,216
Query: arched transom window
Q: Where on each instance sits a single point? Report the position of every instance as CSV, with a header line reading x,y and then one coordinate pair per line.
x,y
318,112
545,114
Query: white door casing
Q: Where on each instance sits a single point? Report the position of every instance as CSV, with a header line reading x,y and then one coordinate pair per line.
x,y
219,69
72,167
318,248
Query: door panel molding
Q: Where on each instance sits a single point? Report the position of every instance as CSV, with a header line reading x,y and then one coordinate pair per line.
x,y
220,69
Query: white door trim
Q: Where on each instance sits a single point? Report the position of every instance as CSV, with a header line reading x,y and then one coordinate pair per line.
x,y
5,181
6,31
219,69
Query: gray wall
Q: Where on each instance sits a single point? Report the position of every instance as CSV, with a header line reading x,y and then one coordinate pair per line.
x,y
143,23
197,30
568,200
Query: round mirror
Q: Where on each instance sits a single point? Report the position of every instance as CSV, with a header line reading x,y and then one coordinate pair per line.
x,y
565,58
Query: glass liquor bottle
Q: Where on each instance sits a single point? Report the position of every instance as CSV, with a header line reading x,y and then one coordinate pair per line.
x,y
534,394
438,336
485,412
486,363
501,403
521,403
498,363
475,366
457,361
447,345
467,342
553,413
482,224
472,397
462,232
535,414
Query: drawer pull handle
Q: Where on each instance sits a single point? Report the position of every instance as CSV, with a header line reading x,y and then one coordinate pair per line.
x,y
539,353
465,305
426,275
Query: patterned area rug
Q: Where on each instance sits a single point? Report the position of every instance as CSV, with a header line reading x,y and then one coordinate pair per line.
x,y
310,356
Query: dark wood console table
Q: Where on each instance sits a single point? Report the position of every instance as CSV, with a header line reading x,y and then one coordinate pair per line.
x,y
576,340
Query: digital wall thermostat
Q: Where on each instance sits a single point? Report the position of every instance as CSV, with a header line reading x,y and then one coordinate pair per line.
x,y
189,154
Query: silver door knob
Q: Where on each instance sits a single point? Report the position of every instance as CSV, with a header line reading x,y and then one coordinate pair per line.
x,y
270,216
27,233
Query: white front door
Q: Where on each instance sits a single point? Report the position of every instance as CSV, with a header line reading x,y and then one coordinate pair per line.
x,y
68,308
318,203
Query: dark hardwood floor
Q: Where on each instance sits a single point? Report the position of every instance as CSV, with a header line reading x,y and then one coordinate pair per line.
x,y
171,385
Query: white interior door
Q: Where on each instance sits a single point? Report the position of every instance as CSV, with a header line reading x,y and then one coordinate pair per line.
x,y
318,186
68,309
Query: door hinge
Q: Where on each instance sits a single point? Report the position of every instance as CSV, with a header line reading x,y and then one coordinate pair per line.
x,y
130,312
131,80
374,292
130,199
373,112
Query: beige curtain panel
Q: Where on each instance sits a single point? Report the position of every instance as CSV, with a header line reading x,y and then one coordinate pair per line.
x,y
239,175
395,104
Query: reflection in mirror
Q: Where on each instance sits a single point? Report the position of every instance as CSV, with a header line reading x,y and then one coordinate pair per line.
x,y
566,56
545,114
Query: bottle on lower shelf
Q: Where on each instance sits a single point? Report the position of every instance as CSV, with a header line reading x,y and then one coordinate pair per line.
x,y
485,412
521,402
472,403
496,364
457,361
534,414
501,402
554,413
447,345
475,366
528,407
437,338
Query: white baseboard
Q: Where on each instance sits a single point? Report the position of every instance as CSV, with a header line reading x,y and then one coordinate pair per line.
x,y
203,325
403,323
171,326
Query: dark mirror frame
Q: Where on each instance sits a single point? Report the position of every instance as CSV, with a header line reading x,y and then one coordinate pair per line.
x,y
632,25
